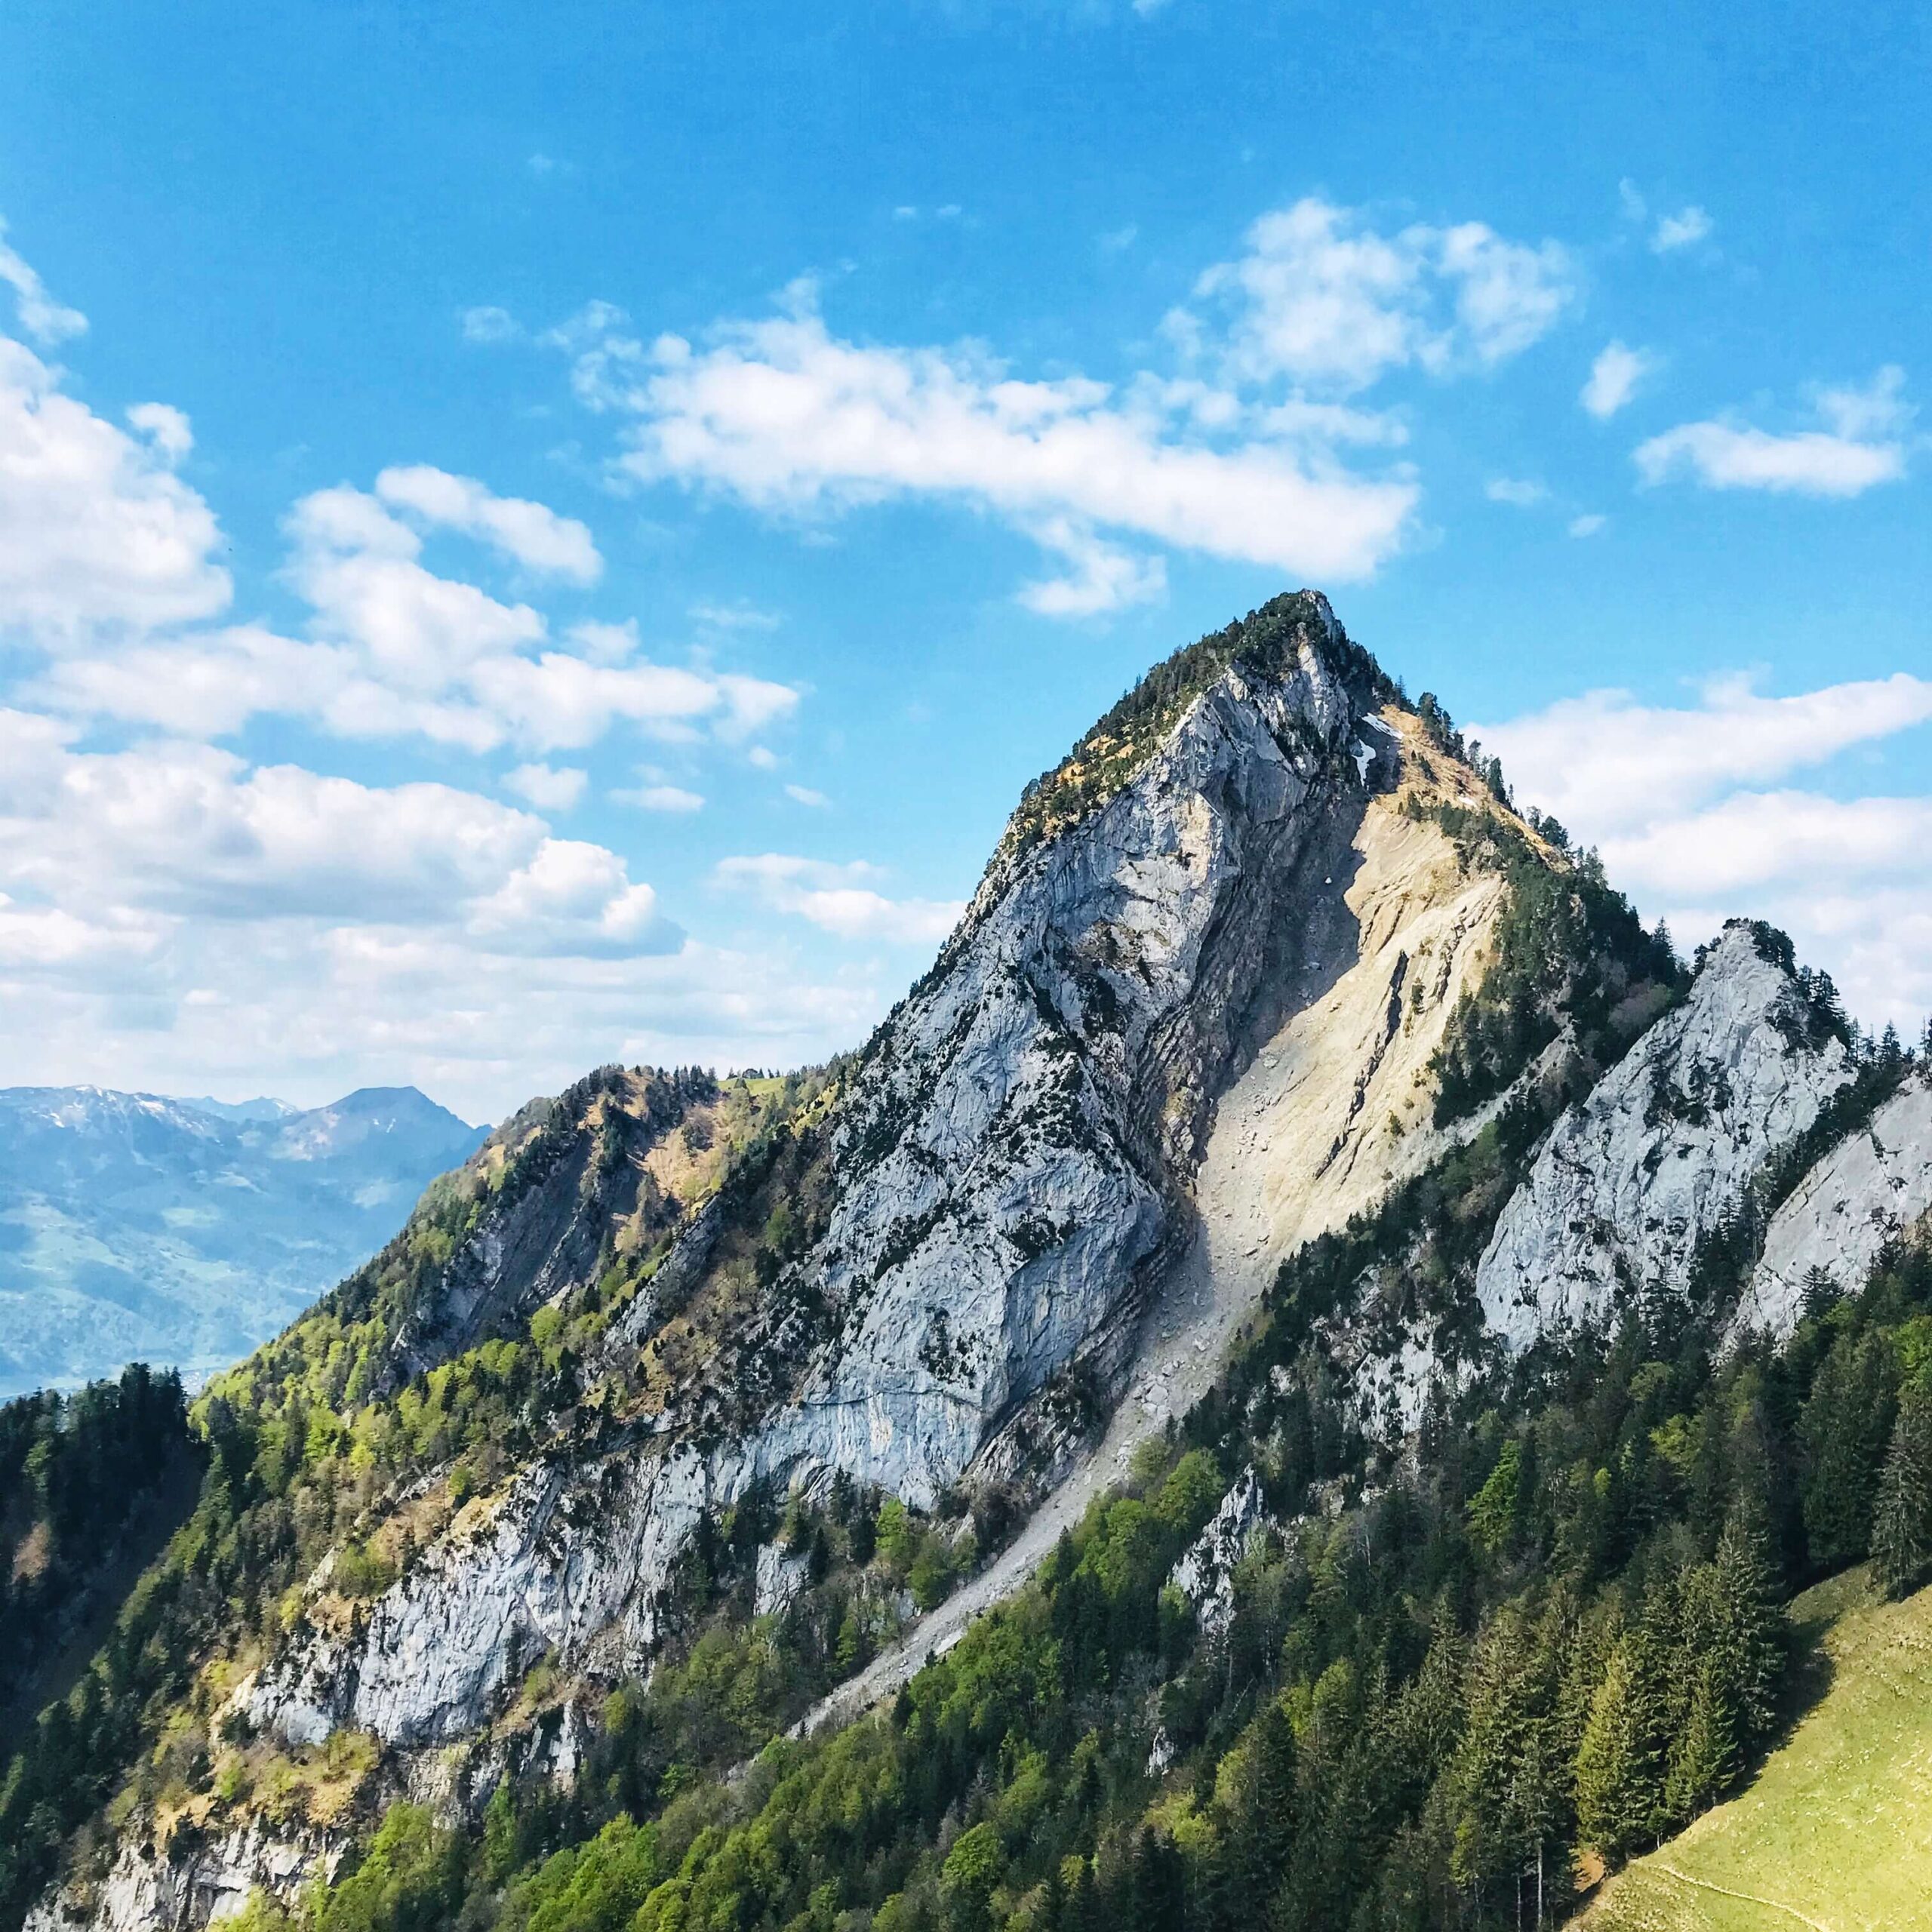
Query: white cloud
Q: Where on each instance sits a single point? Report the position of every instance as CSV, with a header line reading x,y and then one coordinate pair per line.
x,y
574,898
356,564
1588,525
1693,811
839,898
739,616
190,832
661,798
1615,376
606,643
269,917
785,417
98,537
166,427
1879,409
1606,761
488,323
397,650
1100,576
1758,841
532,533
804,795
1861,447
1683,229
1324,298
47,320
547,787
1521,491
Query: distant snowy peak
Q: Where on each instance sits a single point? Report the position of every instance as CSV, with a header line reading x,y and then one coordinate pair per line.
x,y
262,1108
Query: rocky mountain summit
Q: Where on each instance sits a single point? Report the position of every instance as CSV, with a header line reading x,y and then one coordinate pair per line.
x,y
1005,1171
1277,1065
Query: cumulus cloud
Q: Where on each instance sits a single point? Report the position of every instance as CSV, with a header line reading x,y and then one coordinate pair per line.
x,y
1683,229
659,797
1607,760
547,787
1861,445
1323,297
1694,809
396,650
190,832
264,916
786,417
489,323
532,533
1245,447
98,537
1615,376
804,795
1100,576
1521,492
1588,525
839,899
47,320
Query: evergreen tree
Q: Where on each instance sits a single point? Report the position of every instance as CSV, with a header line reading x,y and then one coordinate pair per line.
x,y
1754,1631
1618,1787
1703,1755
1846,1425
1901,1523
1261,1803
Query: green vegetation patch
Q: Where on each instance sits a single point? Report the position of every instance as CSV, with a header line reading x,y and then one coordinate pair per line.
x,y
1836,1829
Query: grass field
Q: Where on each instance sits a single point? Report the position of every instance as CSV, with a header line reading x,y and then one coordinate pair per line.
x,y
1835,1831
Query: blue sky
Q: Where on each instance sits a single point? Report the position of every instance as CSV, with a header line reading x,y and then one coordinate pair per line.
x,y
533,536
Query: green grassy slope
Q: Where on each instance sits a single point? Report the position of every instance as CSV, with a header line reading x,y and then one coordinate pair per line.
x,y
1836,1831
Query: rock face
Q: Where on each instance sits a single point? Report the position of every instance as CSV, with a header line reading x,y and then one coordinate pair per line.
x,y
1869,1189
146,1891
1205,1575
1663,1150
1010,1167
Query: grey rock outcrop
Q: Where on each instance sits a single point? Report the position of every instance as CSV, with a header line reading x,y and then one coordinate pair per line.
x,y
147,1890
1870,1188
1663,1148
1205,1574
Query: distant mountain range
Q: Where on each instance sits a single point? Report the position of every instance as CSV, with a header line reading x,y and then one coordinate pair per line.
x,y
186,1231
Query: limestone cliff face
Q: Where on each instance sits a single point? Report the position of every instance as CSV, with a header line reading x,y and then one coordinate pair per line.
x,y
145,1890
1663,1148
1868,1190
1010,1166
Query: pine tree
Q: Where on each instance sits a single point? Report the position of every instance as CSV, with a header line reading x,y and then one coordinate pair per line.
x,y
1261,1829
1846,1425
1703,1755
1618,1787
1754,1628
1901,1523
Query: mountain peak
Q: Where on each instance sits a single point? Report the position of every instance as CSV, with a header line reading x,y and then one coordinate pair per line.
x,y
1296,634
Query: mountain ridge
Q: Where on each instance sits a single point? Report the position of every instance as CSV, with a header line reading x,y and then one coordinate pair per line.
x,y
1245,1059
135,1224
